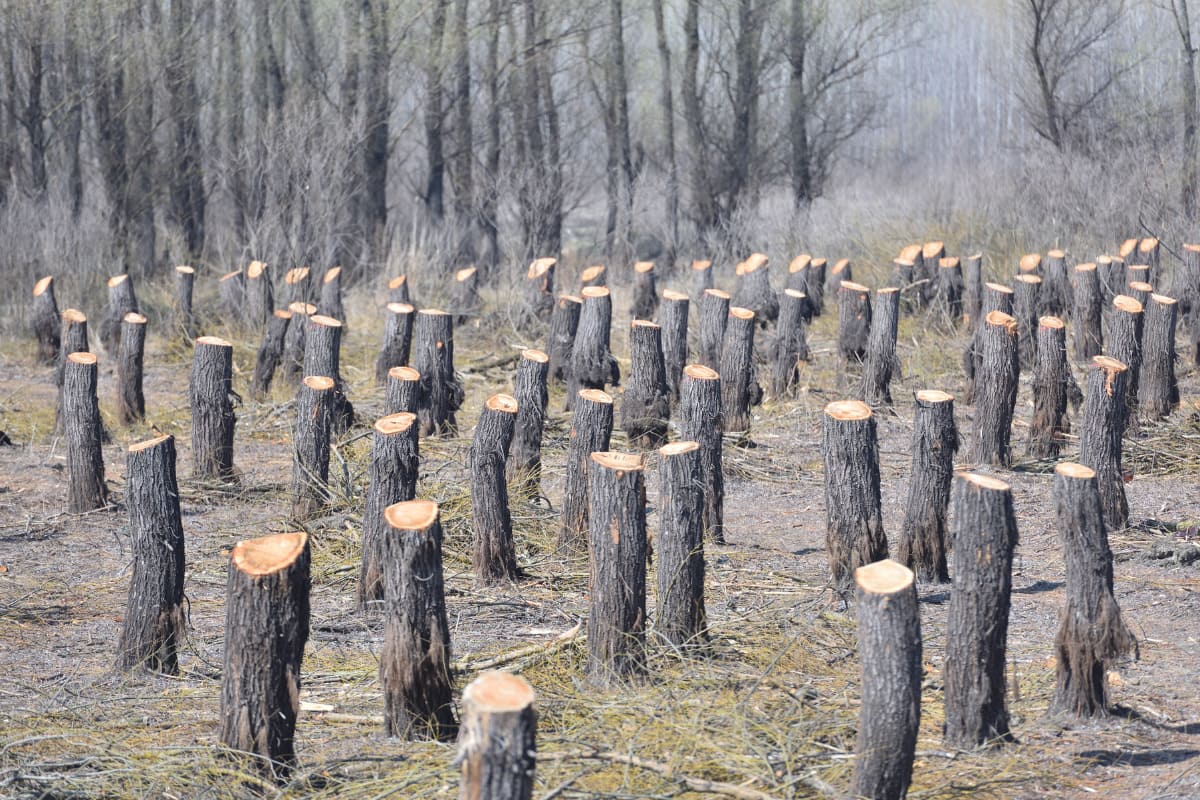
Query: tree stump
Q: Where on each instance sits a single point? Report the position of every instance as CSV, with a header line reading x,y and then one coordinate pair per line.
x,y
1158,387
816,285
494,556
414,667
645,291
1030,264
185,317
323,356
298,282
464,296
266,628
984,531
524,469
539,287
994,298
754,290
591,431
270,352
1111,275
973,290
213,420
616,624
797,277
86,490
714,316
397,340
260,294
1127,250
46,321
1140,291
997,390
330,303
1091,632
702,277
854,321
702,420
646,404
74,340
131,402
403,393
681,619
922,546
1186,289
310,450
1086,313
889,646
497,744
931,255
739,385
593,276
1053,387
121,301
841,272
673,318
854,533
231,289
1123,341
398,290
948,295
789,352
1150,253
902,279
392,478
441,392
154,620
1026,292
295,340
564,322
592,363
1100,432
882,363
1055,297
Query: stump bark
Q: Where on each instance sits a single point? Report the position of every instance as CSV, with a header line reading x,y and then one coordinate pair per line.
x,y
403,393
1055,297
330,302
74,340
464,296
645,291
497,744
1158,388
524,469
839,273
646,403
323,356
789,352
131,402
997,390
816,285
1111,275
923,542
593,276
1139,290
398,291
1123,341
260,294
86,490
392,478
1053,388
154,621
681,620
1030,264
563,324
539,287
854,533
797,277
397,340
1086,313
298,282
270,352
754,290
1150,254
739,374
310,446
1026,293
121,301
231,289
854,323
673,319
441,392
592,362
1100,432
494,555
185,317
702,277
948,297
295,340
714,316
881,362
984,531
213,420
46,321
973,290
702,420
591,430
931,255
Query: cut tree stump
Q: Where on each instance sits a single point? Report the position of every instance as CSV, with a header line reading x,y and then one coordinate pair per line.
x,y
854,533
1150,254
1123,341
889,646
441,392
1158,387
392,478
270,352
213,420
702,277
47,323
266,628
754,290
298,283
121,301
414,667
74,340
1055,298
591,431
1140,291
645,291
902,278
1186,289
398,290
714,316
539,287
330,302
1026,293
397,340
973,290
739,374
131,402
1053,388
564,322
997,390
881,363
1091,632
231,289
923,541
1100,433
494,555
931,255
789,351
854,322
616,623
524,468
1111,274
816,285
260,295
323,356
153,627
295,340
310,450
702,420
86,490
797,277
839,273
646,403
464,296
184,316
984,532
1030,264
995,298
673,318
497,744
1087,312
592,362
948,296
403,393
593,276
681,620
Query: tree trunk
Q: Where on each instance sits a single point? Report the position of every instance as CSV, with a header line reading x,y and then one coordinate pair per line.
x,y
260,295
1186,286
673,317
816,285
667,99
646,404
1140,291
702,420
266,628
714,316
154,620
398,290
539,287
616,623
121,300
299,286
270,352
434,116
392,478
797,277
403,393
754,290
494,557
497,744
592,363
739,374
681,620
702,277
593,276
322,356
295,340
86,490
1111,274
464,296
310,451
950,289
1158,387
185,318
74,340
997,382
213,420
1055,296
1030,264
882,361
563,324
330,304
46,321
1150,254
889,646
922,546
131,402
932,254
1100,432
441,392
973,290
1091,632
1053,387
789,352
1124,342
591,430
524,469
232,290
854,533
645,291
854,323
397,340
1026,294
1086,313
841,272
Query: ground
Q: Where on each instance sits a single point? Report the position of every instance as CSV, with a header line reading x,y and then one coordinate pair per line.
x,y
770,706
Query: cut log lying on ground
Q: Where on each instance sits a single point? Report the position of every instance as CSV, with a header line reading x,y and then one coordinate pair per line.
x,y
213,420
323,356
790,349
739,375
295,340
645,291
646,403
441,392
46,321
310,461
464,296
403,393
497,745
494,555
330,303
392,478
673,318
997,390
260,294
592,363
121,301
1100,433
397,340
1086,313
714,316
270,352
702,420
524,469
86,490
923,541
131,402
1053,388
591,430
539,287
881,363
754,290
702,277
298,282
564,323
1158,387
681,619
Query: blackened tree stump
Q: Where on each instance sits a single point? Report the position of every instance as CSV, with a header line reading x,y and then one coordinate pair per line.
x,y
441,392
854,321
754,290
46,321
231,289
310,446
330,302
973,290
1158,388
591,431
1091,632
403,391
839,273
270,352
86,490
816,285
154,621
298,283
1055,298
646,403
592,362
1053,388
854,533
702,420
497,743
593,276
397,340
494,555
681,620
996,384
949,291
564,322
414,667
398,290
739,374
1100,432
789,351
184,316
616,625
323,356
645,291
260,295
121,300
984,531
1026,293
881,363
922,547
131,402
524,469
889,646
714,316
294,341
797,277
392,478
213,420
702,277
1123,341
539,287
673,319
1086,313
266,628
464,296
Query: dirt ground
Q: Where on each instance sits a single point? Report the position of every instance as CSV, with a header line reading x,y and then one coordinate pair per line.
x,y
771,706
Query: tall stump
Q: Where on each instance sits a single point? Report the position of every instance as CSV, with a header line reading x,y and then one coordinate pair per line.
x,y
398,291
816,285
330,302
524,469
270,352
121,301
592,363
995,298
739,385
714,316
972,289
789,352
213,420
295,340
645,291
184,316
1100,432
591,430
681,620
397,340
323,356
494,556
1053,388
298,285
673,318
702,420
1158,388
497,744
260,294
391,479
997,390
948,297
1086,313
1026,293
1110,273
702,277
231,291
1123,341
131,401
441,392
646,404
46,321
539,287
922,547
310,446
564,322
882,362
1055,296
464,296
86,490
797,277
854,321
403,391
754,290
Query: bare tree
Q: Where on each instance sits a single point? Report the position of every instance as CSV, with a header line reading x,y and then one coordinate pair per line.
x,y
1187,103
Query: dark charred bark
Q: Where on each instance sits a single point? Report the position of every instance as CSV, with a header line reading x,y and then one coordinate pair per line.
x,y
1026,294
882,362
392,478
441,392
645,291
497,745
592,363
1100,432
973,290
591,430
270,353
185,317
1158,387
494,555
564,322
295,340
739,374
1086,313
86,490
298,282
323,356
260,295
854,322
816,285
403,393
131,402
646,403
1053,388
397,340
997,390
673,318
789,352
121,301
213,420
702,420
754,290
524,468
464,296
714,316
46,321
310,446
702,277
398,291
330,303
681,620
922,547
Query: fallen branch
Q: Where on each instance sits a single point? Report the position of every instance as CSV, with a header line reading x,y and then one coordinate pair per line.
x,y
546,648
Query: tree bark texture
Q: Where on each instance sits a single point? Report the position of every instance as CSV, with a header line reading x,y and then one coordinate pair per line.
x,y
739,374
1140,291
923,541
86,490
121,301
131,402
397,340
949,290
882,362
494,556
398,291
295,341
714,316
797,274
931,255
754,290
1186,286
497,743
973,290
330,302
74,340
1123,341
260,295
403,391
1053,387
702,277
681,620
298,282
1055,298
995,298
46,321
323,356
591,431
997,390
1150,254
564,322
673,318
854,321
1158,387
213,420
185,317
645,291
270,352
391,478
593,276
841,272
464,296
592,362
1100,432
1026,294
1111,274
1086,313
789,351
539,287
310,446
816,285
702,420
646,404
524,468
441,392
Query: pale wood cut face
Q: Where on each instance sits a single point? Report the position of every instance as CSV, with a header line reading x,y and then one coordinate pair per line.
x,y
395,423
595,291
87,359
934,396
1070,469
535,355
404,374
624,462
411,515
213,341
701,373
883,577
74,315
318,383
848,410
596,396
984,481
676,448
149,443
503,403
498,693
269,554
